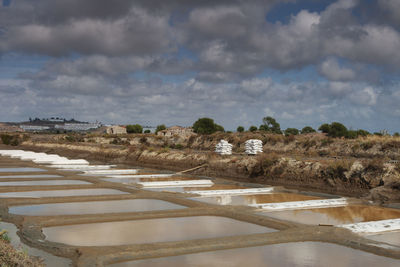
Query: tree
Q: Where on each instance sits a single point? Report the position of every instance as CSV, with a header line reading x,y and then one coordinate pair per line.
x,y
252,128
206,126
325,128
135,128
271,125
337,129
307,130
291,131
240,129
396,134
147,131
361,132
160,127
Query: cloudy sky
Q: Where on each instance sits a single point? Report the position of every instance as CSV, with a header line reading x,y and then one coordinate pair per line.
x,y
304,62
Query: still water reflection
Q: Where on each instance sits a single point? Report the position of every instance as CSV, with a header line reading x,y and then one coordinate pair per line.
x,y
289,254
93,207
254,199
63,193
21,170
150,230
337,215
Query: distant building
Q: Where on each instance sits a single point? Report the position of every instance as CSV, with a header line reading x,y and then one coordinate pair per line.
x,y
176,130
9,128
34,128
115,129
77,126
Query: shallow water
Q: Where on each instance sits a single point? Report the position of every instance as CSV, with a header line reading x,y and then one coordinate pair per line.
x,y
150,230
289,254
93,207
137,180
194,188
47,182
392,238
63,193
16,169
336,215
30,176
254,199
49,259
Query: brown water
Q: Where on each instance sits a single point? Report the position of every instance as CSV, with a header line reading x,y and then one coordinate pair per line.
x,y
30,176
47,182
254,199
63,193
392,238
93,207
16,169
188,189
289,254
150,231
336,215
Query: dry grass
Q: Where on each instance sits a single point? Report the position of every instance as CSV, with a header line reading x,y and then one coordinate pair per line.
x,y
9,256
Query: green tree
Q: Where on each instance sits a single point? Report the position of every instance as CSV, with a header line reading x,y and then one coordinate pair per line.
x,y
147,131
396,134
206,126
307,130
160,127
135,128
252,128
271,125
351,134
325,128
337,129
291,131
240,129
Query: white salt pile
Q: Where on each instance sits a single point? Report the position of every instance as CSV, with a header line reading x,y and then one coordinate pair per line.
x,y
253,146
223,148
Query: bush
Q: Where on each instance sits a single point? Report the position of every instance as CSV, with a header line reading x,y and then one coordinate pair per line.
x,y
361,132
291,131
206,126
396,134
252,128
324,128
135,128
6,139
307,129
160,127
147,131
178,146
337,130
240,129
352,134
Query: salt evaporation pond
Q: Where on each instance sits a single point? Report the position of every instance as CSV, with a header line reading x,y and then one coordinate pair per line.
x,y
137,180
63,193
150,231
17,169
46,182
288,254
336,215
30,176
94,207
196,188
254,199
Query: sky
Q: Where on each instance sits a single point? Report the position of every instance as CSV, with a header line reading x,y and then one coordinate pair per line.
x,y
151,62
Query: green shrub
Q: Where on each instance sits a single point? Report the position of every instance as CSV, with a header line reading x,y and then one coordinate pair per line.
x,y
178,146
240,129
147,131
324,128
307,129
135,128
206,126
252,128
291,131
6,139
